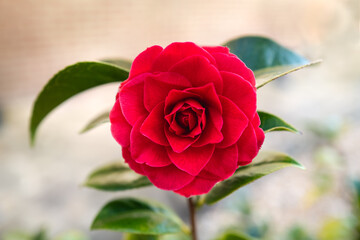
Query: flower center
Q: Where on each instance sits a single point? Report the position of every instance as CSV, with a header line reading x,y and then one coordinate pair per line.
x,y
187,119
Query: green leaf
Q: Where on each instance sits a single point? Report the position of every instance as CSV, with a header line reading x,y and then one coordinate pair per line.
x,y
97,121
234,235
270,122
264,164
116,176
176,236
130,236
123,63
267,75
70,81
260,52
138,216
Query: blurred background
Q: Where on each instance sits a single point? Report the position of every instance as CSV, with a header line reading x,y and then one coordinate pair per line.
x,y
40,187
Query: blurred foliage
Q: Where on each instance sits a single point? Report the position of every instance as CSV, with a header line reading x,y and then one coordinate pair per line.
x,y
42,235
335,229
298,233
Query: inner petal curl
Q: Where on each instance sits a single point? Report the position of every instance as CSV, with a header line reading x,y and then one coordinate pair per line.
x,y
187,118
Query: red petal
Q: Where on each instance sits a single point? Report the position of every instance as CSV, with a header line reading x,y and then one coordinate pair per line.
x,y
144,151
217,49
247,146
132,99
231,63
260,135
167,178
120,128
209,135
132,164
175,100
235,121
196,187
177,51
199,71
222,164
178,143
157,87
240,92
153,126
144,61
210,101
192,160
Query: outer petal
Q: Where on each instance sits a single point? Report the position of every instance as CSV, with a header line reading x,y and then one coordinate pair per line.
x,y
240,92
196,187
260,135
192,160
120,128
222,164
167,178
132,164
235,122
157,87
153,126
144,151
131,97
177,51
247,146
231,63
199,71
144,61
217,49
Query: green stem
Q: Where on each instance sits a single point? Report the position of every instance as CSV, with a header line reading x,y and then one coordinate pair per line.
x,y
192,212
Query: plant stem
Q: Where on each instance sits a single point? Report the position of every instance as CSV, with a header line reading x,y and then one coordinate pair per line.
x,y
192,212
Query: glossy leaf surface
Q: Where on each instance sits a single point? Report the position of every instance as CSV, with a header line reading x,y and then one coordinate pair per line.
x,y
270,122
137,216
267,75
264,164
97,121
123,63
175,236
69,82
116,176
259,52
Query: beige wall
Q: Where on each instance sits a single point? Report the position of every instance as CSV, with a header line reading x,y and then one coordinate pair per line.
x,y
40,37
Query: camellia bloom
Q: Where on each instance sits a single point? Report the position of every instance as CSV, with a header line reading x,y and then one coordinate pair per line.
x,y
186,117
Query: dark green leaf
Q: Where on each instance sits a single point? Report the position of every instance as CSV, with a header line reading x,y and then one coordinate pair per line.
x,y
123,63
138,216
267,75
271,123
264,164
97,121
260,52
116,176
70,81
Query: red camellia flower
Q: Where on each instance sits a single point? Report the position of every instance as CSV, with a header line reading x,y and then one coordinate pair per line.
x,y
186,117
